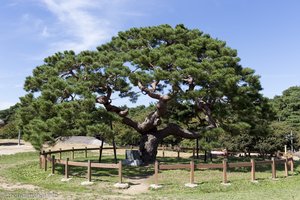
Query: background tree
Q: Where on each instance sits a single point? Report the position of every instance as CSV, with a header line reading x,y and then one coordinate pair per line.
x,y
287,109
176,67
9,128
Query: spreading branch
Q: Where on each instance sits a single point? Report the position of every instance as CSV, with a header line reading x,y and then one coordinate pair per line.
x,y
152,94
176,130
106,101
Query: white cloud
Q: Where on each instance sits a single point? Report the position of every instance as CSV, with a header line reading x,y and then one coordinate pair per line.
x,y
84,24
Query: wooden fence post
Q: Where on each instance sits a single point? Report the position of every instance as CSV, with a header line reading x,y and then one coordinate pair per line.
x,y
89,172
60,153
163,151
286,170
67,169
273,168
53,164
224,171
192,174
193,152
292,166
72,153
178,152
41,160
100,151
252,170
45,160
156,173
85,152
120,171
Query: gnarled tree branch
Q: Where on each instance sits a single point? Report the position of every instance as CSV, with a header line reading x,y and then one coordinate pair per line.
x,y
176,130
152,94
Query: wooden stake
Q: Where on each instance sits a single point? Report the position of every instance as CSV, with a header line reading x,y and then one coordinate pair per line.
x,y
163,151
60,153
194,153
53,164
89,171
252,170
197,146
286,170
115,150
192,172
156,173
85,152
45,160
41,160
120,171
67,169
100,150
224,171
72,153
292,166
273,168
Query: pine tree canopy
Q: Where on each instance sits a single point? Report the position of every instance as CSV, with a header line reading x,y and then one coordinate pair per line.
x,y
194,79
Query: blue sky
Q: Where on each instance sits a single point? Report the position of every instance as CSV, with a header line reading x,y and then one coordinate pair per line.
x,y
266,33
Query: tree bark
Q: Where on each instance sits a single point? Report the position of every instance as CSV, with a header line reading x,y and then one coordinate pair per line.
x,y
150,135
148,147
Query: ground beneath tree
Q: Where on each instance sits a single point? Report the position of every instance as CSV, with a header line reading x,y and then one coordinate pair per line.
x,y
138,185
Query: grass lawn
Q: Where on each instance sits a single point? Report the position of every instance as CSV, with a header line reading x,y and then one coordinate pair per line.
x,y
24,168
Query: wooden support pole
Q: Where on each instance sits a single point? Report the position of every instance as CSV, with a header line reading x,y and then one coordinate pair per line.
x,y
194,153
252,170
163,151
197,142
178,152
115,150
67,169
53,164
273,168
85,152
120,171
89,171
156,172
192,174
225,171
72,153
60,153
286,170
100,150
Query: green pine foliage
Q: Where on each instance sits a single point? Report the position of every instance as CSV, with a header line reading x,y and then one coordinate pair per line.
x,y
62,91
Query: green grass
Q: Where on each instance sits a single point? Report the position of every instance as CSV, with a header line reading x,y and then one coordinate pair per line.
x,y
24,168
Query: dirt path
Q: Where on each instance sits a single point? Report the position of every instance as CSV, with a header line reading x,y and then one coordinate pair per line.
x,y
138,185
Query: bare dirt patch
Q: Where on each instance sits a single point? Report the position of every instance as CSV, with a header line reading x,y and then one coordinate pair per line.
x,y
138,185
10,146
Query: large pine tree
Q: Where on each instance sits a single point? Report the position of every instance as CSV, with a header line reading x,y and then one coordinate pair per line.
x,y
191,76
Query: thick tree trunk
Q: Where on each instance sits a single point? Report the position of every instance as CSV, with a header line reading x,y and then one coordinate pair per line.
x,y
148,148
